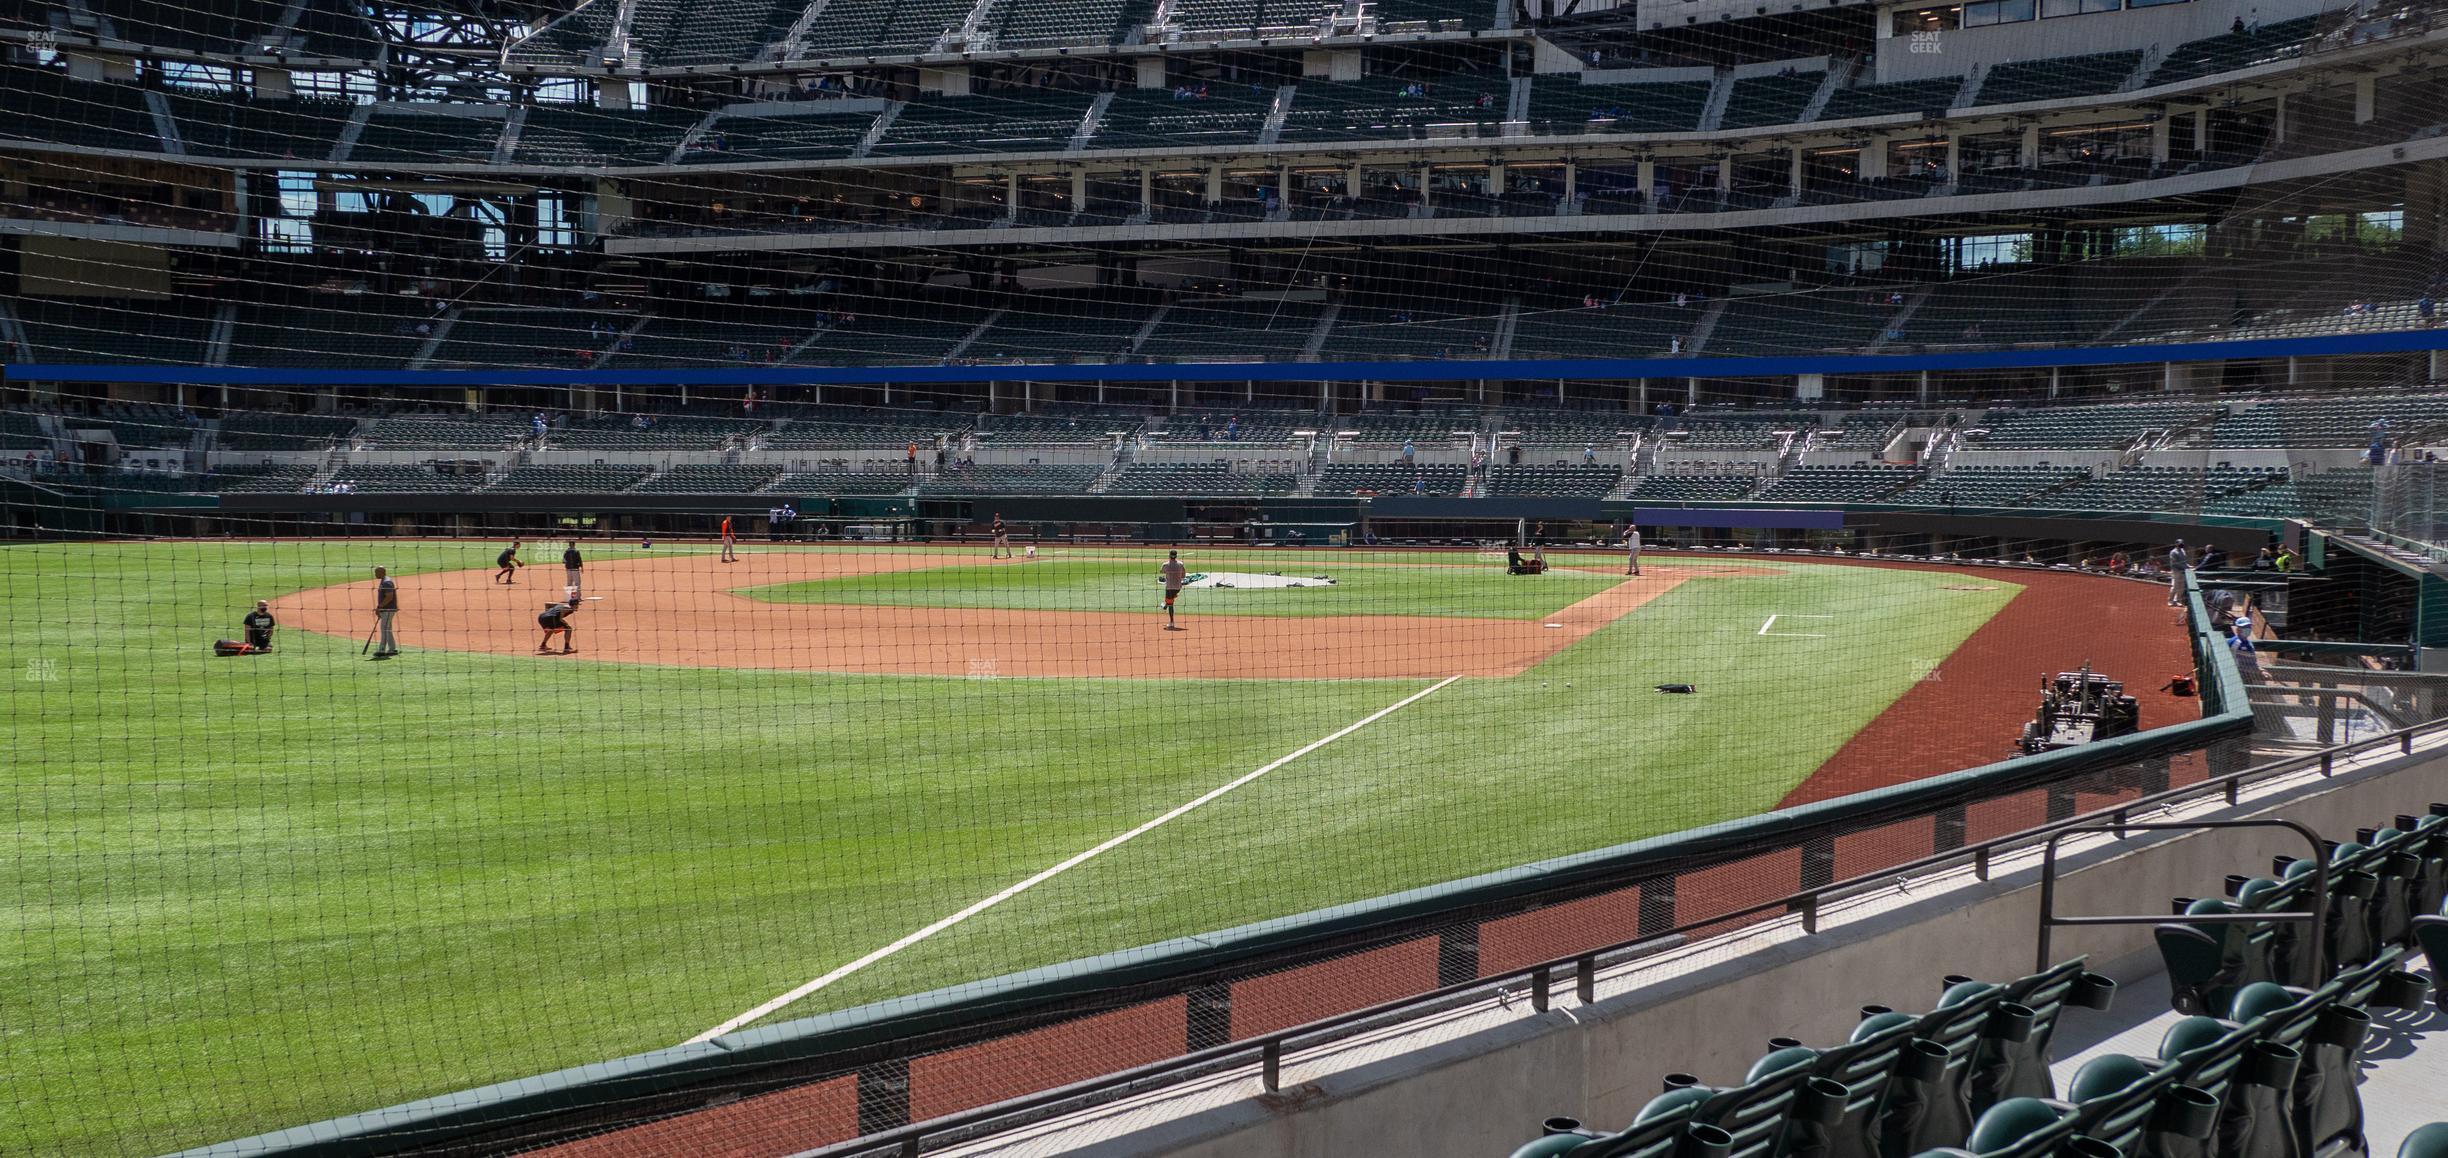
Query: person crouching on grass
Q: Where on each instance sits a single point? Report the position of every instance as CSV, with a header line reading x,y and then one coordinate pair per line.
x,y
555,621
259,624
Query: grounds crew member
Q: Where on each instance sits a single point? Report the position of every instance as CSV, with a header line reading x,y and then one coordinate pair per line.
x,y
259,624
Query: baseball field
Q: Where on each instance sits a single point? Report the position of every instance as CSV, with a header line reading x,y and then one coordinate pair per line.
x,y
247,893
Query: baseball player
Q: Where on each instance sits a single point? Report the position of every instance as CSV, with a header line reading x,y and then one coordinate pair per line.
x,y
730,543
570,566
1002,539
555,621
386,609
509,563
1631,549
1174,575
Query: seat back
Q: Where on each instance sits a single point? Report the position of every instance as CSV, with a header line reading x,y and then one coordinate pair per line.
x,y
2023,1060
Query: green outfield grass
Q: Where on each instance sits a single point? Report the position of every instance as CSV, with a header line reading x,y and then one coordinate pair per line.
x,y
247,894
1076,582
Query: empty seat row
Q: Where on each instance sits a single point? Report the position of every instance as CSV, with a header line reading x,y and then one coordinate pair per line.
x,y
1012,478
1390,478
1838,484
2382,886
1184,478
1900,1084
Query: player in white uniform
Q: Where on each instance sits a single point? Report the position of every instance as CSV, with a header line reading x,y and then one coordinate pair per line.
x,y
1175,575
1631,550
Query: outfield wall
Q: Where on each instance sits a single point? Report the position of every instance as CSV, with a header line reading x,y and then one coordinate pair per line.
x,y
1160,519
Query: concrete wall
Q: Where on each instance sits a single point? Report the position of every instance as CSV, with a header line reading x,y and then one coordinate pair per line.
x,y
1477,1081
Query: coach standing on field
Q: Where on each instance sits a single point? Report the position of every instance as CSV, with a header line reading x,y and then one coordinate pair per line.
x,y
1631,549
2178,559
386,608
570,566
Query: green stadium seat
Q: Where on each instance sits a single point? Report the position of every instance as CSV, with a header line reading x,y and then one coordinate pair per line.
x,y
2429,1141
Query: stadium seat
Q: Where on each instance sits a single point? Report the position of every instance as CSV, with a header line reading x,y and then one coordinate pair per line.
x,y
2425,1142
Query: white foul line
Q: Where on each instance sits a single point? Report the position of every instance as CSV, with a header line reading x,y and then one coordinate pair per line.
x,y
1792,634
1074,862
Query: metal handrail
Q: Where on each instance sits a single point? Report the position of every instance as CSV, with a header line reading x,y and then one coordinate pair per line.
x,y
1271,1046
2319,916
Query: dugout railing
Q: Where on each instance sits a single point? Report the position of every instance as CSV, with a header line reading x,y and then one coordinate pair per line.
x,y
1780,863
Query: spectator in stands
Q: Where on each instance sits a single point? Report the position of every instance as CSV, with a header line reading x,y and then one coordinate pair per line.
x,y
2118,563
2213,559
2427,310
1232,429
2286,560
1409,452
1589,454
2265,561
2178,560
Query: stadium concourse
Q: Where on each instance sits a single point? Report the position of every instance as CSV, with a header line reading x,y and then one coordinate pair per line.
x,y
1224,577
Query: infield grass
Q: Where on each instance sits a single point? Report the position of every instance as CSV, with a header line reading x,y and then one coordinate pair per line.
x,y
247,894
1071,582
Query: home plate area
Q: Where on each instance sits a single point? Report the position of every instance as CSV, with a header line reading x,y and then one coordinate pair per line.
x,y
1248,580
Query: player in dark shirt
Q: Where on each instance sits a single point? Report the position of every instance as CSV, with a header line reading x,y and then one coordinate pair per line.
x,y
259,624
509,563
555,620
570,565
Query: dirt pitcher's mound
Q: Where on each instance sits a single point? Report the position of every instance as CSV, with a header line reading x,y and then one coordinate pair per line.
x,y
679,609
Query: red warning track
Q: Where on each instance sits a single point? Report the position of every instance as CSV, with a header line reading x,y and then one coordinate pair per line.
x,y
1973,705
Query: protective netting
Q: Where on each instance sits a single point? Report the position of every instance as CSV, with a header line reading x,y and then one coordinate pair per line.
x,y
261,889
870,357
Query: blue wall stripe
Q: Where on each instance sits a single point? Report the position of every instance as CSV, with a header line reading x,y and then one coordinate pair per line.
x,y
2330,345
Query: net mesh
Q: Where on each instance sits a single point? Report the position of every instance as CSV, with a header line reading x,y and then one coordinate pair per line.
x,y
864,686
